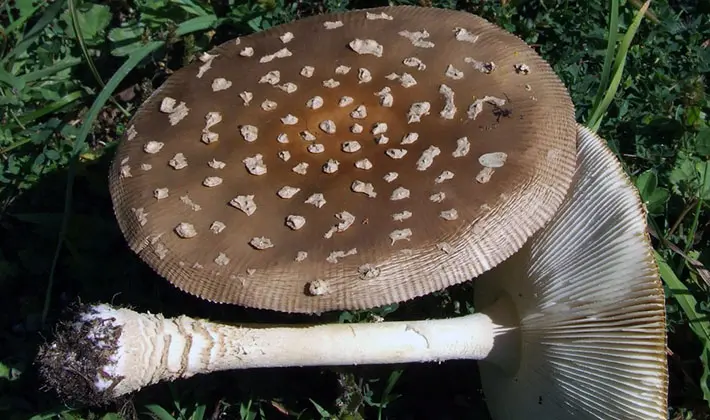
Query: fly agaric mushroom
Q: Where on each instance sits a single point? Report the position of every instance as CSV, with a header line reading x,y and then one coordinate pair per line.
x,y
573,325
404,153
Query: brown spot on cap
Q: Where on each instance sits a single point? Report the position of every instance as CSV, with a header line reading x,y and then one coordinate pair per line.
x,y
429,93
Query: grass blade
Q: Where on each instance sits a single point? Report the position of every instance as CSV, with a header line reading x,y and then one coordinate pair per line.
x,y
613,32
700,324
619,63
49,71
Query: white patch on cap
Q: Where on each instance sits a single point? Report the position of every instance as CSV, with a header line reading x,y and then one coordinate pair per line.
x,y
212,181
160,193
282,53
444,176
453,73
331,166
307,135
351,146
390,176
261,243
191,204
185,230
366,46
401,216
483,67
244,203
289,119
342,69
221,259
417,111
327,126
220,83
317,200
405,79
364,75
463,146
409,138
378,16
216,164
449,215
359,113
363,164
268,105
400,234
319,287
331,83
427,158
465,36
363,188
179,161
333,257
284,155
399,193
477,106
493,160
217,227
286,38
301,168
315,102
345,101
273,77
307,71
437,197
414,62
386,98
153,147
287,191
255,164
418,38
332,25
396,153
246,97
316,148
295,222
485,175
449,110
287,87
521,68
249,132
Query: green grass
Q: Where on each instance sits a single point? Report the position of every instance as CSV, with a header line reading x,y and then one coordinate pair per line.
x,y
72,72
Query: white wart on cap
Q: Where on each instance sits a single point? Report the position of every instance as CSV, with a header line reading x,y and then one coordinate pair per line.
x,y
404,153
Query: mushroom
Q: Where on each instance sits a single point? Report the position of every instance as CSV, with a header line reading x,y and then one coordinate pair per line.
x,y
284,170
572,326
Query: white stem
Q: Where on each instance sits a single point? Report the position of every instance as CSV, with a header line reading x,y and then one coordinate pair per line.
x,y
144,349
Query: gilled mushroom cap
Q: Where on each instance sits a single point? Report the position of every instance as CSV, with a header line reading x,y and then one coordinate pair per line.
x,y
592,335
345,160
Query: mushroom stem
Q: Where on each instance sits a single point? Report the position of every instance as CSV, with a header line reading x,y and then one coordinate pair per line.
x,y
126,350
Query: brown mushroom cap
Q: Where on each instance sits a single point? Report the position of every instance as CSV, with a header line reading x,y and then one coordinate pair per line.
x,y
346,160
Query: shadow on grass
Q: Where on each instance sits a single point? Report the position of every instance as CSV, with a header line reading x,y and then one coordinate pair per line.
x,y
95,265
